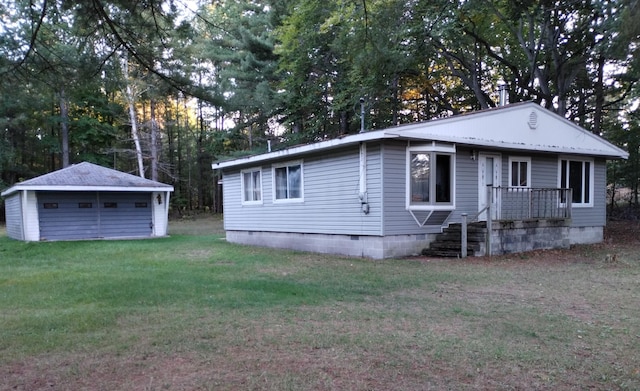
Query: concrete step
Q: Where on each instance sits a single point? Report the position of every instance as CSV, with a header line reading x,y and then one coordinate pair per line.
x,y
427,252
470,228
457,237
454,245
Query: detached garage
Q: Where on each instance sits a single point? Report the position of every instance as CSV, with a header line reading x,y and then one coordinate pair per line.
x,y
87,201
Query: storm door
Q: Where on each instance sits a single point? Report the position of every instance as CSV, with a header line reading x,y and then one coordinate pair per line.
x,y
489,175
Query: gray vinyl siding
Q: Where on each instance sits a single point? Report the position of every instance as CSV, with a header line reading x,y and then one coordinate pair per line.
x,y
331,186
397,219
596,215
466,185
69,221
330,205
13,209
544,173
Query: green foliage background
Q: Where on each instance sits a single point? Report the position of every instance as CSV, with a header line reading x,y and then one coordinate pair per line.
x,y
222,78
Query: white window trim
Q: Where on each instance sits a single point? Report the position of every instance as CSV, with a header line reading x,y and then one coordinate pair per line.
x,y
247,171
273,182
591,178
519,159
434,149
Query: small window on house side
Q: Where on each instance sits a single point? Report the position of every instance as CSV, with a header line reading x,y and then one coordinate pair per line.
x,y
519,172
288,182
50,205
251,186
85,205
109,205
578,176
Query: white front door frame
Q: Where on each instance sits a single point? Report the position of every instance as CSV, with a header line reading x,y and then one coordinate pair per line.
x,y
489,175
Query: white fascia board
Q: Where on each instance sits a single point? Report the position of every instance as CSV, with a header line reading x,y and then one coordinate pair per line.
x,y
9,191
304,149
471,141
19,187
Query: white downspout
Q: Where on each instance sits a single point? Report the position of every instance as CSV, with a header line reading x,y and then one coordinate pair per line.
x,y
363,194
23,211
166,212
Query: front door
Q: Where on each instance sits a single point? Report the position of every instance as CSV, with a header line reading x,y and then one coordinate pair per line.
x,y
489,175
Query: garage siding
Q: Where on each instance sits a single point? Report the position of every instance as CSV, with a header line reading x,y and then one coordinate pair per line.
x,y
13,210
87,215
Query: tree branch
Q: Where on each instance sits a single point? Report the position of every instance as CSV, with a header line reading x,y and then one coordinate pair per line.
x,y
131,49
32,41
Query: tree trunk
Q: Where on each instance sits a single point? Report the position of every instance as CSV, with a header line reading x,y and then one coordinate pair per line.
x,y
153,144
395,86
132,117
599,92
64,127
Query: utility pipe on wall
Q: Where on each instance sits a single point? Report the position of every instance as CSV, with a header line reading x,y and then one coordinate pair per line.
x,y
362,194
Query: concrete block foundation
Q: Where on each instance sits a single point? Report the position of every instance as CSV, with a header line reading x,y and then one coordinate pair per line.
x,y
376,247
506,237
519,236
586,235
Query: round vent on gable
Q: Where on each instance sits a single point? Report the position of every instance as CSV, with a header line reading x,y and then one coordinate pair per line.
x,y
533,120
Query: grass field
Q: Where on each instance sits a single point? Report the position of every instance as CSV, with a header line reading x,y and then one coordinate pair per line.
x,y
192,312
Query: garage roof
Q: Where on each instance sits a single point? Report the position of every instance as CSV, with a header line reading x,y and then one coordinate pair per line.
x,y
88,177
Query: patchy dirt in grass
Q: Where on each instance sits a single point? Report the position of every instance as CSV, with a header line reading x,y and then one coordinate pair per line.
x,y
307,368
267,355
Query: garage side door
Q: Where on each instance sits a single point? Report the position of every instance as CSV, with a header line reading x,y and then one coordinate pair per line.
x,y
68,215
125,215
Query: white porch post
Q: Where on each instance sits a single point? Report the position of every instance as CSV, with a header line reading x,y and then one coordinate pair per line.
x,y
489,218
463,234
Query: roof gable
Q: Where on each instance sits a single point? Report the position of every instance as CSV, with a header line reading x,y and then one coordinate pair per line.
x,y
523,126
88,176
520,126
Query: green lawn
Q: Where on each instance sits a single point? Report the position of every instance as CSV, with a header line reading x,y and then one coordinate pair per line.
x,y
193,312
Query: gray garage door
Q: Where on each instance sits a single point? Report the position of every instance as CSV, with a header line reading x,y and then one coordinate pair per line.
x,y
87,215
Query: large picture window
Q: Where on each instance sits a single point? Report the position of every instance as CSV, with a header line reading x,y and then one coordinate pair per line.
x,y
578,175
519,172
288,182
252,187
430,178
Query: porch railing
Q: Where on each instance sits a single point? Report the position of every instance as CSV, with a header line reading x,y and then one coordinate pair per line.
x,y
523,203
519,203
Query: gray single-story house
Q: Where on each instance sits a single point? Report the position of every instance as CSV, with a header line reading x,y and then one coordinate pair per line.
x,y
86,201
533,178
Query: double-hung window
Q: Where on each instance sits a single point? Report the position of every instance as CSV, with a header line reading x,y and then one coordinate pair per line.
x,y
252,186
577,174
288,182
430,177
519,172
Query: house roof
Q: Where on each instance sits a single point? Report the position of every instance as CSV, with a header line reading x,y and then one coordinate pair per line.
x,y
88,177
521,126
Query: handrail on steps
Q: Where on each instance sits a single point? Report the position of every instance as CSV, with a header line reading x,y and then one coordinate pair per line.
x,y
561,198
463,228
